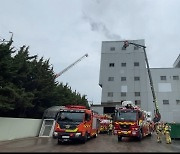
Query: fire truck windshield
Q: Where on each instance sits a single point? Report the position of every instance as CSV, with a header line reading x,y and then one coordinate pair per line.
x,y
126,115
71,116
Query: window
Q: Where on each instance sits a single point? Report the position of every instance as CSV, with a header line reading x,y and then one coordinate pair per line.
x,y
87,117
136,63
165,102
123,94
112,48
110,94
163,77
123,64
123,78
111,64
178,102
176,77
111,79
138,102
137,93
136,47
136,78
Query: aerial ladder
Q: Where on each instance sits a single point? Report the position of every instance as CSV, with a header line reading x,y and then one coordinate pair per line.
x,y
157,115
67,68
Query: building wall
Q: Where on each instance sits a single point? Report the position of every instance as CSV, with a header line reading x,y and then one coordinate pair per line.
x,y
15,128
98,109
117,57
165,90
168,89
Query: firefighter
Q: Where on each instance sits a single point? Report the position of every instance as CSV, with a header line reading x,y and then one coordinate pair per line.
x,y
167,130
152,126
110,129
159,132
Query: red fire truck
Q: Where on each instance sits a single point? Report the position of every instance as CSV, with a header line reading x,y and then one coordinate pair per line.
x,y
131,121
104,123
76,122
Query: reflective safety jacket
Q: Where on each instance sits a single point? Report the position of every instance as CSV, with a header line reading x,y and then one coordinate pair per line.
x,y
159,128
110,126
167,128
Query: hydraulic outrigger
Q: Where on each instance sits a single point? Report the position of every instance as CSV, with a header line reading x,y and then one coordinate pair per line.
x,y
157,115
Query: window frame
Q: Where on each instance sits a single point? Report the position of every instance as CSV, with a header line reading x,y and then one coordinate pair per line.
x,y
136,64
112,48
177,102
123,78
137,94
111,64
163,77
123,94
122,65
110,94
137,102
165,102
111,78
176,77
136,78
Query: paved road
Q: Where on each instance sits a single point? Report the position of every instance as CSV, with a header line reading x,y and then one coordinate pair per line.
x,y
103,143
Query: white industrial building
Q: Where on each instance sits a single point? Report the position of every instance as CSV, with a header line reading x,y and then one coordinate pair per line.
x,y
124,76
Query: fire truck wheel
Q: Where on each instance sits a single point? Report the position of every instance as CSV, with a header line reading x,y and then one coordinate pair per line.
x,y
95,135
59,142
119,138
150,134
85,138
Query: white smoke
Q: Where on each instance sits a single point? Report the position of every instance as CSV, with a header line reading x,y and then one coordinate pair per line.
x,y
100,27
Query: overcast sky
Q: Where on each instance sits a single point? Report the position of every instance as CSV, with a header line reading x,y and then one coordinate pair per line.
x,y
65,30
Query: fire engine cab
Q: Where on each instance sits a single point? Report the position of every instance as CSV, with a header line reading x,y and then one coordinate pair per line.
x,y
131,121
75,122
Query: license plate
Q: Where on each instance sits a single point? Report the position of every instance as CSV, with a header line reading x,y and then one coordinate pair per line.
x,y
65,136
124,132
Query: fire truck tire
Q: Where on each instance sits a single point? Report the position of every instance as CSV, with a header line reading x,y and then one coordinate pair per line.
x,y
59,142
119,138
85,138
95,135
150,134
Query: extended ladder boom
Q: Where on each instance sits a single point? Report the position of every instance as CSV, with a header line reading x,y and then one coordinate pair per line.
x,y
157,113
67,68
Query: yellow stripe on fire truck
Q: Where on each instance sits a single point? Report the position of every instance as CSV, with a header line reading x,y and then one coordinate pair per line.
x,y
125,123
71,130
124,132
